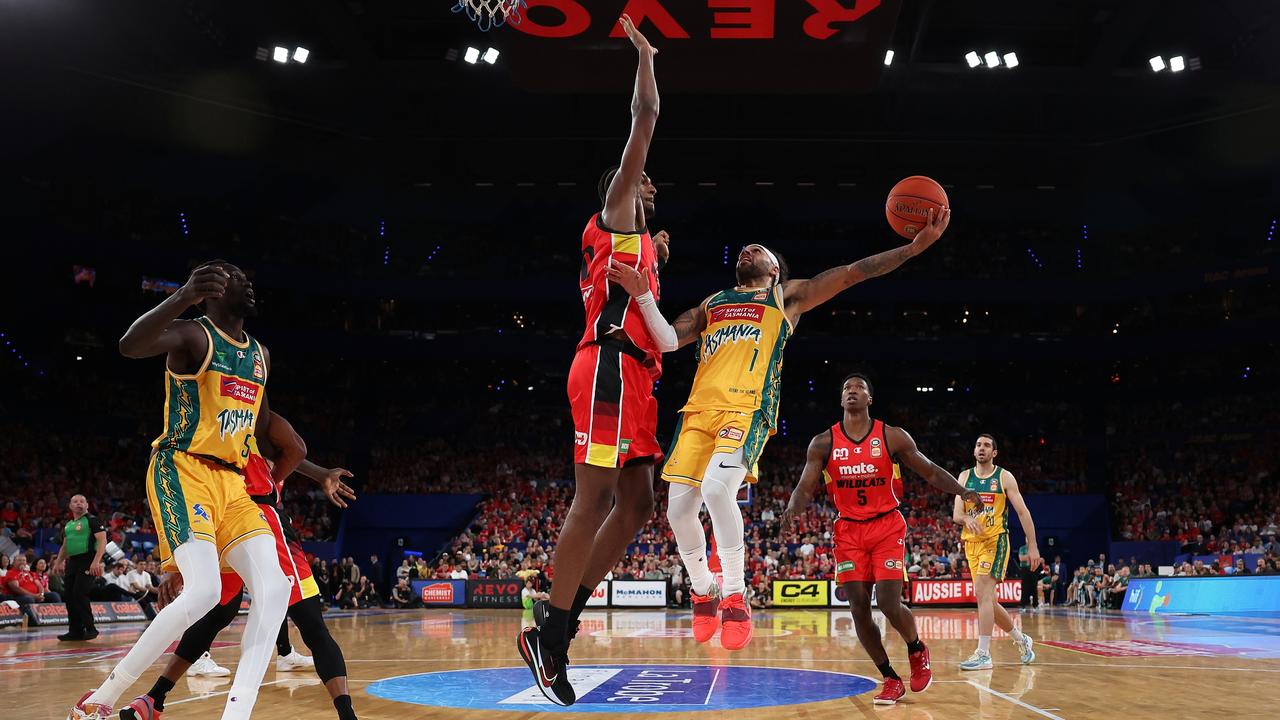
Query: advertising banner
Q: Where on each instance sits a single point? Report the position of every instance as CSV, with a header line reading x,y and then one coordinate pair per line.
x,y
441,593
600,596
638,593
494,593
960,592
801,593
1216,595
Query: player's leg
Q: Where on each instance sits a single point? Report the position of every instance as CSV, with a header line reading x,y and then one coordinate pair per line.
x,y
254,560
1004,621
859,594
724,475
886,537
308,616
197,560
685,463
195,642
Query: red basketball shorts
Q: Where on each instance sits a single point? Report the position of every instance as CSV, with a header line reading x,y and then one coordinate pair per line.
x,y
615,414
292,561
872,550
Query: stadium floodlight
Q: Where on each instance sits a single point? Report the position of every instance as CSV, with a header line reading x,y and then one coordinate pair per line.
x,y
472,55
1177,63
300,54
888,58
491,56
1011,60
281,54
1157,63
993,59
972,58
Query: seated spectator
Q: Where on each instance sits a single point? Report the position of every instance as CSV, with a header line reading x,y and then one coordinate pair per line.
x,y
27,586
402,595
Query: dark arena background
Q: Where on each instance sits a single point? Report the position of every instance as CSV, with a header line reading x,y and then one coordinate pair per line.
x,y
407,194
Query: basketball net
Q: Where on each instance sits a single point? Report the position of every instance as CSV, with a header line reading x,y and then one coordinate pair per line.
x,y
489,14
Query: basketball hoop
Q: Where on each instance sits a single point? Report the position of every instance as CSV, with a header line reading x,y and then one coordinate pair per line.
x,y
489,14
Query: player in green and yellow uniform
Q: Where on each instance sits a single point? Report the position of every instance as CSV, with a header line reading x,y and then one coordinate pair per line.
x,y
215,393
733,406
986,546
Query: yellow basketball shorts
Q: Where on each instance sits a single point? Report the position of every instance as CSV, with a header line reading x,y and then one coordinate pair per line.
x,y
699,435
989,556
195,499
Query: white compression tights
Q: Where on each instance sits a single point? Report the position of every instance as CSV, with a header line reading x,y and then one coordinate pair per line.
x,y
256,562
720,483
198,562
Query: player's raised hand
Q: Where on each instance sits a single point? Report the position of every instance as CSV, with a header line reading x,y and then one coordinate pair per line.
x,y
938,222
206,281
662,245
635,283
337,491
637,38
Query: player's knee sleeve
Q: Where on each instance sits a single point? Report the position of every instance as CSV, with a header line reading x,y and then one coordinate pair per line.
x,y
308,617
202,586
198,638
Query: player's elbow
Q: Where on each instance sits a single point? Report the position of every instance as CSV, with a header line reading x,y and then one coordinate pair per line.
x,y
645,107
129,347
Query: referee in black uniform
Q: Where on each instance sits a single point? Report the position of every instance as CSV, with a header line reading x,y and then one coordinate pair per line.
x,y
83,542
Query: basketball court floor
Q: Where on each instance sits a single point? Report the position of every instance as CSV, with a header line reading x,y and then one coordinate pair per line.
x,y
462,664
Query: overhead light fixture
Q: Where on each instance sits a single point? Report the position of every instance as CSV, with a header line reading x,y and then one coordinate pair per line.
x,y
888,58
993,59
1157,63
972,58
281,54
1177,63
491,56
300,54
1011,60
472,55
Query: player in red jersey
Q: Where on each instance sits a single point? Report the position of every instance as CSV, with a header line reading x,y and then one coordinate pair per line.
x,y
858,458
264,482
611,396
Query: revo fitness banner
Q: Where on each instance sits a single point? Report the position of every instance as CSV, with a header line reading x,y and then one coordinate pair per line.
x,y
960,592
441,593
801,593
504,593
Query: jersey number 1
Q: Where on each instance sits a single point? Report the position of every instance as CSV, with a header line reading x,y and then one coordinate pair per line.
x,y
754,354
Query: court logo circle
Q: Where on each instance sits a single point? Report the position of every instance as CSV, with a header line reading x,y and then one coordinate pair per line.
x,y
626,688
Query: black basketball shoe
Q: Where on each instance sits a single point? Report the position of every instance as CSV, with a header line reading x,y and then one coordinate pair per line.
x,y
550,671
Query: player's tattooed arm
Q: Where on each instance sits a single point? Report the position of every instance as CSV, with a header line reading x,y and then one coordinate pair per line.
x,y
810,478
903,447
804,295
689,325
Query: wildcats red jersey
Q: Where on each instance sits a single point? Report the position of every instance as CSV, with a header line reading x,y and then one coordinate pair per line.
x,y
257,478
611,308
861,476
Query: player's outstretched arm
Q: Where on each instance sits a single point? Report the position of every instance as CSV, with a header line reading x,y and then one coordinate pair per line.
x,y
286,446
330,480
810,477
620,201
903,447
1014,495
804,295
159,331
668,337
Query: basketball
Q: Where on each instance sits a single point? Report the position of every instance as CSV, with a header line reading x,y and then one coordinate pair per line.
x,y
909,203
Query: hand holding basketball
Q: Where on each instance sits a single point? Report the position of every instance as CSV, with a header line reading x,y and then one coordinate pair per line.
x,y
637,38
933,229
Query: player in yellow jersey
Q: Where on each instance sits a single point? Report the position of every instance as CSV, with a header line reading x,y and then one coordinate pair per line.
x,y
986,546
215,391
733,405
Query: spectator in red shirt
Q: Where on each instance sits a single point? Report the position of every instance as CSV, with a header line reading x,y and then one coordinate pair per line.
x,y
27,586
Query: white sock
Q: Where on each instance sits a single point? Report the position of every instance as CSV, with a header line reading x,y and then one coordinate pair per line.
x,y
984,644
198,562
1017,635
683,507
256,562
724,475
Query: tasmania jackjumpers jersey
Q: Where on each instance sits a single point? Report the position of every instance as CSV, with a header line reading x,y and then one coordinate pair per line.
x,y
994,519
861,476
213,412
608,307
740,353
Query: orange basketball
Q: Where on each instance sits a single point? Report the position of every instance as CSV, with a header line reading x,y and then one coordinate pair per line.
x,y
909,203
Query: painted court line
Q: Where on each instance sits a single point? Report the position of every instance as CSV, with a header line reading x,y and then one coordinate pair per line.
x,y
714,677
678,661
1015,701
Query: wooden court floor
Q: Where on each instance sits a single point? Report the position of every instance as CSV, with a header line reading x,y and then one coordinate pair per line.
x,y
643,663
